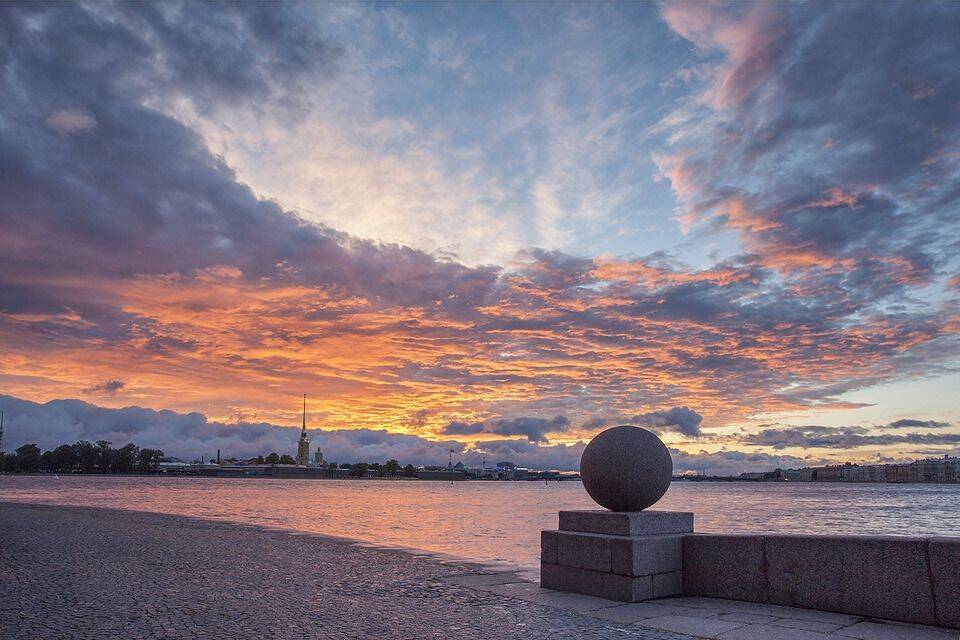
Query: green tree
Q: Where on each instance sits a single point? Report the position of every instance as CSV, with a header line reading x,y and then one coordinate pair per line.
x,y
60,459
87,456
126,458
28,458
273,458
104,456
47,462
64,457
149,459
359,469
391,467
260,460
409,471
286,459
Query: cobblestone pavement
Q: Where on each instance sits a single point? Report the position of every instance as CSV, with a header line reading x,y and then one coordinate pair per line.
x,y
69,572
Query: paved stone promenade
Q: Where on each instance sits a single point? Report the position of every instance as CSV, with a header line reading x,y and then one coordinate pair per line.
x,y
69,572
89,573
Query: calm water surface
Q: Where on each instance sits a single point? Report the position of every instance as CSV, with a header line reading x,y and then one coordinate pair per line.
x,y
497,521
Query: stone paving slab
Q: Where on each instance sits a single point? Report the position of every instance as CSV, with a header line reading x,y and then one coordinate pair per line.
x,y
770,632
749,618
718,605
699,627
636,611
734,620
807,625
894,631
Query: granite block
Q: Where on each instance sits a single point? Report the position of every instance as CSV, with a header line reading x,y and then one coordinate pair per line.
x,y
627,523
667,584
724,566
944,555
584,550
877,576
548,546
643,555
595,583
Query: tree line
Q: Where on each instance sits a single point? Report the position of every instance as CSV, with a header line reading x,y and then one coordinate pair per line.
x,y
84,457
389,468
102,457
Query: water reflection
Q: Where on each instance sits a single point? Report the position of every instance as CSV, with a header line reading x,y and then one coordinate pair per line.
x,y
498,521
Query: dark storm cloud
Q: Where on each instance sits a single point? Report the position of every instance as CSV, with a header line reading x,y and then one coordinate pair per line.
x,y
911,423
682,419
534,429
211,52
110,387
462,428
835,162
819,437
114,188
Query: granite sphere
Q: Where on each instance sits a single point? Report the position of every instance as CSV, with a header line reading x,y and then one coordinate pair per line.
x,y
626,468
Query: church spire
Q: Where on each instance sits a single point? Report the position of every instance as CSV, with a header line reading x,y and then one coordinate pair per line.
x,y
303,447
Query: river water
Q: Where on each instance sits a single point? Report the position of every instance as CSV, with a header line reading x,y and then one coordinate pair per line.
x,y
497,521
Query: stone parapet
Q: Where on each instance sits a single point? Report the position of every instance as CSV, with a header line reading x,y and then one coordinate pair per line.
x,y
642,560
901,578
632,523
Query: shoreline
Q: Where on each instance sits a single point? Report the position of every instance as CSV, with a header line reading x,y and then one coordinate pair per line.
x,y
673,480
438,556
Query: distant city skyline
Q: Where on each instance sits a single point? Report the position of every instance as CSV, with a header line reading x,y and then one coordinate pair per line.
x,y
494,227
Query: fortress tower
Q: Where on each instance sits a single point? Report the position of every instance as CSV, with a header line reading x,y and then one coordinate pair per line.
x,y
303,447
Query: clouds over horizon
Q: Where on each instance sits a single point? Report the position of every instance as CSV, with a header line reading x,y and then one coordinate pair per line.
x,y
136,266
850,437
191,435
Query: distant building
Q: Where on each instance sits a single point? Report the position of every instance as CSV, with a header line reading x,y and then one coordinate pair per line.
x,y
303,447
318,460
929,470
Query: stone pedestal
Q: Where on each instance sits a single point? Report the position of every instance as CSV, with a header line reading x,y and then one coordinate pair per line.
x,y
624,556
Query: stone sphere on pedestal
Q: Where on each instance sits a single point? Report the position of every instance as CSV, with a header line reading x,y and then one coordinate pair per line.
x,y
626,468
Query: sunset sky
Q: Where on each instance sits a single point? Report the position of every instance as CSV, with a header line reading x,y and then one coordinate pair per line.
x,y
492,227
